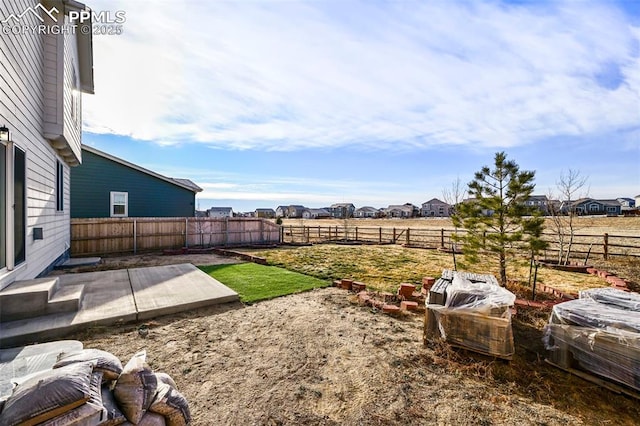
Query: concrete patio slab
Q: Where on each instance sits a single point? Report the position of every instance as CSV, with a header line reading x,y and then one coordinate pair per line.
x,y
73,262
122,296
174,288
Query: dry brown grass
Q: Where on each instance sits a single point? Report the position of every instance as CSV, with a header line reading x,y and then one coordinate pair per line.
x,y
385,267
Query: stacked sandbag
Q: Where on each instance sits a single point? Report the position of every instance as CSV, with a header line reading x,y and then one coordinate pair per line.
x,y
90,388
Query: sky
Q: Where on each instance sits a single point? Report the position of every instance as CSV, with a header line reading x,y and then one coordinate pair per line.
x,y
265,103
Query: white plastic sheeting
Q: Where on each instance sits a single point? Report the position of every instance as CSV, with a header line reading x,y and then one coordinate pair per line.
x,y
599,333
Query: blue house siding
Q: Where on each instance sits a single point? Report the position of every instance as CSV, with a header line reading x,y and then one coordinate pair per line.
x,y
94,180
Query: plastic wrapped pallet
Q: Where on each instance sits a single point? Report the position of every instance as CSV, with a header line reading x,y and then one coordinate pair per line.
x,y
475,315
598,333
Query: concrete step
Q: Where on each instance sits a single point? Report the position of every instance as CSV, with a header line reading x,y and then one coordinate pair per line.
x,y
66,299
38,297
27,299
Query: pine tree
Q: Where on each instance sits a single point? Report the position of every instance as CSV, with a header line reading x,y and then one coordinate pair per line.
x,y
497,219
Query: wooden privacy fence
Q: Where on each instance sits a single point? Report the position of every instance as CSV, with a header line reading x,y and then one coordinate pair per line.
x,y
603,245
133,235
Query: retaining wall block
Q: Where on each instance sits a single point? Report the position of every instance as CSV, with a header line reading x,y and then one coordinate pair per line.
x,y
407,305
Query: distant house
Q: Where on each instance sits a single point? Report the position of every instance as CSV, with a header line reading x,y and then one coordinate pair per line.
x,y
637,197
484,212
220,212
589,206
341,210
315,214
436,208
44,76
108,186
282,211
627,203
265,213
366,212
540,202
294,211
403,211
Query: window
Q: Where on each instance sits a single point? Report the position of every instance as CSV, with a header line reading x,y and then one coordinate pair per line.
x,y
59,186
119,204
594,207
19,201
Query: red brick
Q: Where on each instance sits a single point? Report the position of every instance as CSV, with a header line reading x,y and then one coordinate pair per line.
x,y
611,279
387,297
428,282
592,271
603,274
337,283
346,284
358,286
406,290
408,305
521,302
390,309
363,298
617,282
378,304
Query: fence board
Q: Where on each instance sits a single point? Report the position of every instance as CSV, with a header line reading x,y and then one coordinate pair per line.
x,y
130,235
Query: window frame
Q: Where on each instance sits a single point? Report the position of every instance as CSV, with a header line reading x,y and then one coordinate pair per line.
x,y
59,186
112,203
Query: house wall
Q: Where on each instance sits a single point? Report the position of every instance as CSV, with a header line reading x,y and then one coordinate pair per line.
x,y
22,68
219,214
93,181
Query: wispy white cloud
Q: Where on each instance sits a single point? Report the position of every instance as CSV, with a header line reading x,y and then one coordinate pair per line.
x,y
293,75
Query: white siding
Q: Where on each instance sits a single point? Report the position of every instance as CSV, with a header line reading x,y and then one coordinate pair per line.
x,y
71,94
24,62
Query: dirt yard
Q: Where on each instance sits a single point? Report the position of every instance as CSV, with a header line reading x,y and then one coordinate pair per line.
x,y
317,358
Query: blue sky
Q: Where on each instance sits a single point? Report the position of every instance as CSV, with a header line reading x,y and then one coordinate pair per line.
x,y
263,103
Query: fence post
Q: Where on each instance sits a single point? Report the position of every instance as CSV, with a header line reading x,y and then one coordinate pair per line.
x,y
394,235
442,237
380,235
408,238
356,233
135,236
186,232
605,247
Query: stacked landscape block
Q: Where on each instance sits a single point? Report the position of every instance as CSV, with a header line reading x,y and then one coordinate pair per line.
x,y
599,334
470,311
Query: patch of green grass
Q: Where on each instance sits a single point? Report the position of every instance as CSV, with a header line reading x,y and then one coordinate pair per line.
x,y
255,282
